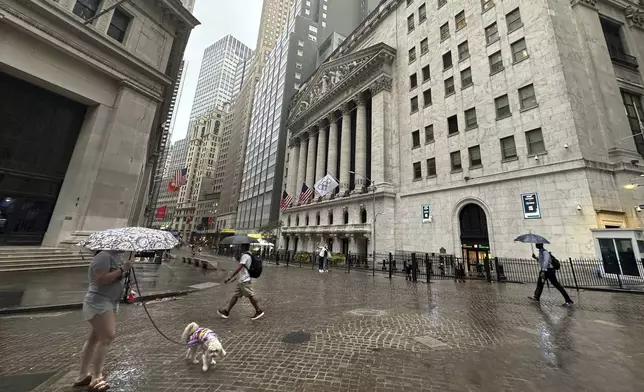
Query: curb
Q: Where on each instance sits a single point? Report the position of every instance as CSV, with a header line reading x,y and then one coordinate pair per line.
x,y
79,305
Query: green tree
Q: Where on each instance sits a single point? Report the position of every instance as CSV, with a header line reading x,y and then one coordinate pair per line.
x,y
271,228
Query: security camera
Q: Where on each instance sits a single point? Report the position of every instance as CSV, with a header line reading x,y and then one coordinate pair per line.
x,y
638,209
566,146
578,207
536,157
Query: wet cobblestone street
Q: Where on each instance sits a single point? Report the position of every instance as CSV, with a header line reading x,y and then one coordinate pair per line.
x,y
366,334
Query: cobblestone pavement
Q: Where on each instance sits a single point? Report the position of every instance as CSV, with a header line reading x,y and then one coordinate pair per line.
x,y
366,334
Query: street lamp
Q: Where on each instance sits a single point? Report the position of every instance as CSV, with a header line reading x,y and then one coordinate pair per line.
x,y
373,220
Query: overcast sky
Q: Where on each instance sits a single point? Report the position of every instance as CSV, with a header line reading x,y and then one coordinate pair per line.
x,y
240,18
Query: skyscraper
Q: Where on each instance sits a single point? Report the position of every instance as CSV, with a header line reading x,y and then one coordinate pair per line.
x,y
295,56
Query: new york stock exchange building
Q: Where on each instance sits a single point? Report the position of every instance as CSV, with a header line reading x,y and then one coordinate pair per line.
x,y
475,122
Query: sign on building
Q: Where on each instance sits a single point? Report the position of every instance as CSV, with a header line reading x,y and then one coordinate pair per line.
x,y
530,203
427,213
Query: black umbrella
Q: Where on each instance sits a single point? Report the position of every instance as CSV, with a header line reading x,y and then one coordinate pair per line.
x,y
238,240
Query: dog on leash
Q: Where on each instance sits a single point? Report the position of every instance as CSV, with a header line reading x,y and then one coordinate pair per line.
x,y
197,337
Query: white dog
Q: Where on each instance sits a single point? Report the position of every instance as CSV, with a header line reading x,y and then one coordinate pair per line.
x,y
196,337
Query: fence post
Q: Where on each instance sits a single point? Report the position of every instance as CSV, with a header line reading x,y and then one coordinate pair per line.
x,y
427,267
288,256
313,260
500,274
574,276
488,273
414,267
300,259
348,258
390,260
619,277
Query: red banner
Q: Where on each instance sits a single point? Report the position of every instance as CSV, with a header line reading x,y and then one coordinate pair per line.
x,y
172,187
161,211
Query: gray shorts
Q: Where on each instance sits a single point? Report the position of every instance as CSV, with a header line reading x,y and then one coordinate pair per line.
x,y
91,309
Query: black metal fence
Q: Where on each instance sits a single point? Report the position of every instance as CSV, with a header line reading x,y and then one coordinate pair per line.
x,y
416,266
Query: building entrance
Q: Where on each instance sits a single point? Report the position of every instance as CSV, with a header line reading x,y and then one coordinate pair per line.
x,y
37,138
475,243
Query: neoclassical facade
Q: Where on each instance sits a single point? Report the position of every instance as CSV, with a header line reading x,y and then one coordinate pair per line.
x,y
476,122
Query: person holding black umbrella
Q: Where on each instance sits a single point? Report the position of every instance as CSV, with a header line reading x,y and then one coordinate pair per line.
x,y
244,287
548,272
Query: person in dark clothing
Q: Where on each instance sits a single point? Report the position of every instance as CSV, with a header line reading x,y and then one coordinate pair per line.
x,y
548,272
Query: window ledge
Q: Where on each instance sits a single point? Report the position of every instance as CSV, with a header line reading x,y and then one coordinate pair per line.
x,y
423,53
463,59
450,94
521,60
537,154
476,167
422,20
529,108
448,68
411,31
452,134
461,28
432,176
429,142
444,39
414,111
454,171
413,88
415,147
469,85
515,29
425,81
412,61
505,160
496,72
504,116
471,127
417,179
486,10
427,105
491,42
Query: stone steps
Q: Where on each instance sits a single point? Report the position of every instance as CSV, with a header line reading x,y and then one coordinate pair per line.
x,y
40,258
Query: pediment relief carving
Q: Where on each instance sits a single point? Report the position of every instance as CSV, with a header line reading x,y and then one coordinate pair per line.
x,y
634,16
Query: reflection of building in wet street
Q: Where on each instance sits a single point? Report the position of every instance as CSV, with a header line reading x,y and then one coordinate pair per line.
x,y
475,125
89,91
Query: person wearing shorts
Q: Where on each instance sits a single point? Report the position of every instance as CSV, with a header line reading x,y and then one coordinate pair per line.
x,y
99,309
244,285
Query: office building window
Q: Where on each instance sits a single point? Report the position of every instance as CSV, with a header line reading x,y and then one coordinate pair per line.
x,y
425,71
413,81
424,46
449,86
487,4
412,55
415,139
300,52
496,62
466,77
616,47
418,173
427,97
475,156
519,50
410,23
459,19
463,51
534,140
441,3
444,31
118,25
431,167
414,104
502,105
452,125
298,75
313,29
527,97
86,8
491,33
429,134
298,65
514,20
508,148
422,13
312,38
409,2
470,119
455,159
447,61
300,43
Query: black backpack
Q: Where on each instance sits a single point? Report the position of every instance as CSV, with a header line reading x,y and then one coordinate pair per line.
x,y
256,267
555,263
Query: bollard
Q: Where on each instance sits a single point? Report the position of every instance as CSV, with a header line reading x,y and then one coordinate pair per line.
x,y
414,268
488,273
391,258
500,275
348,263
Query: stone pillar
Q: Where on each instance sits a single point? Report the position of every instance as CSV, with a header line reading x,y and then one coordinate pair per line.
x,y
301,167
320,164
361,142
332,160
310,160
381,167
293,162
345,149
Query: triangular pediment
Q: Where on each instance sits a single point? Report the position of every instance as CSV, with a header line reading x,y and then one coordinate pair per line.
x,y
333,76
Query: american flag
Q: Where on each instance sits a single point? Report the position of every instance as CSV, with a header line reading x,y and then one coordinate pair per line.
x,y
305,195
181,177
286,200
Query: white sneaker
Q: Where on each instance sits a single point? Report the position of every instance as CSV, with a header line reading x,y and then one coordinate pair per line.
x,y
320,271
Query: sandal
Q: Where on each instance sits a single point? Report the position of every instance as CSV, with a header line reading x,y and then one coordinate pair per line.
x,y
100,386
84,382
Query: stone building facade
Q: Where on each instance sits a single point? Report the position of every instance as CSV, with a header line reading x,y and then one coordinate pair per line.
x,y
476,121
90,91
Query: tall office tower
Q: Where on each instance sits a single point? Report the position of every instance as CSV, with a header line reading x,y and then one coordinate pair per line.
x,y
216,82
176,159
292,61
273,20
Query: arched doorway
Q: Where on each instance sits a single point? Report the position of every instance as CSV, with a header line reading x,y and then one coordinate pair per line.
x,y
475,243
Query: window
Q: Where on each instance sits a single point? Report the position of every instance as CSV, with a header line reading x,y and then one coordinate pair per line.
x,y
460,20
429,134
487,4
502,105
410,23
635,115
313,29
475,156
508,149
412,55
455,159
414,104
298,75
441,3
413,81
300,43
409,2
415,139
431,167
345,217
427,97
422,13
491,33
307,11
496,63
418,172
534,139
312,38
298,65
463,51
424,46
444,31
330,218
470,119
300,52
425,73
514,20
466,77
118,25
615,44
527,97
447,61
449,86
86,8
452,125
519,50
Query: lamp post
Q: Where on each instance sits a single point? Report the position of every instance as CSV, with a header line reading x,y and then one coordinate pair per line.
x,y
373,221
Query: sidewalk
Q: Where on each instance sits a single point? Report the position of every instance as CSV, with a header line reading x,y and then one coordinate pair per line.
x,y
59,289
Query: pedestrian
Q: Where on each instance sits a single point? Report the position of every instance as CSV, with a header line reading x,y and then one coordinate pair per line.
x,y
326,259
99,308
244,287
322,254
548,272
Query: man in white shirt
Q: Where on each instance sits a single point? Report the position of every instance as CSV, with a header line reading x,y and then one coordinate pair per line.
x,y
322,255
244,288
548,272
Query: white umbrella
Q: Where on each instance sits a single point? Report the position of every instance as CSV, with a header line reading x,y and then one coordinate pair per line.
x,y
130,239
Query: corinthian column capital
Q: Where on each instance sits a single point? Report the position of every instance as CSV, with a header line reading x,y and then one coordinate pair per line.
x,y
383,83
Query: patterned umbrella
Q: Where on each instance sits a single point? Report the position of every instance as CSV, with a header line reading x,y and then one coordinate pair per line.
x,y
532,239
130,239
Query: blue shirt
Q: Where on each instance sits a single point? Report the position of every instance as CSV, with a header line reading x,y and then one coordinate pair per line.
x,y
545,260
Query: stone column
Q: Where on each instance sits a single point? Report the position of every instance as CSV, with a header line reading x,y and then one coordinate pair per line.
x,y
361,142
381,167
320,164
310,160
301,167
293,162
332,160
345,149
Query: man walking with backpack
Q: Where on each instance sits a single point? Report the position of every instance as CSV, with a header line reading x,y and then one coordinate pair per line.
x,y
549,266
249,267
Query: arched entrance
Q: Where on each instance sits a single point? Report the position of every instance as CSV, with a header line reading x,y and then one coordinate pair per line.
x,y
475,243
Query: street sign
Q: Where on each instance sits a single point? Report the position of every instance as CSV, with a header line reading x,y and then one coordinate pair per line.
x,y
427,213
530,203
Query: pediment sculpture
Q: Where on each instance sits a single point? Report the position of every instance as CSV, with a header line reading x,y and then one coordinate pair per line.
x,y
635,16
